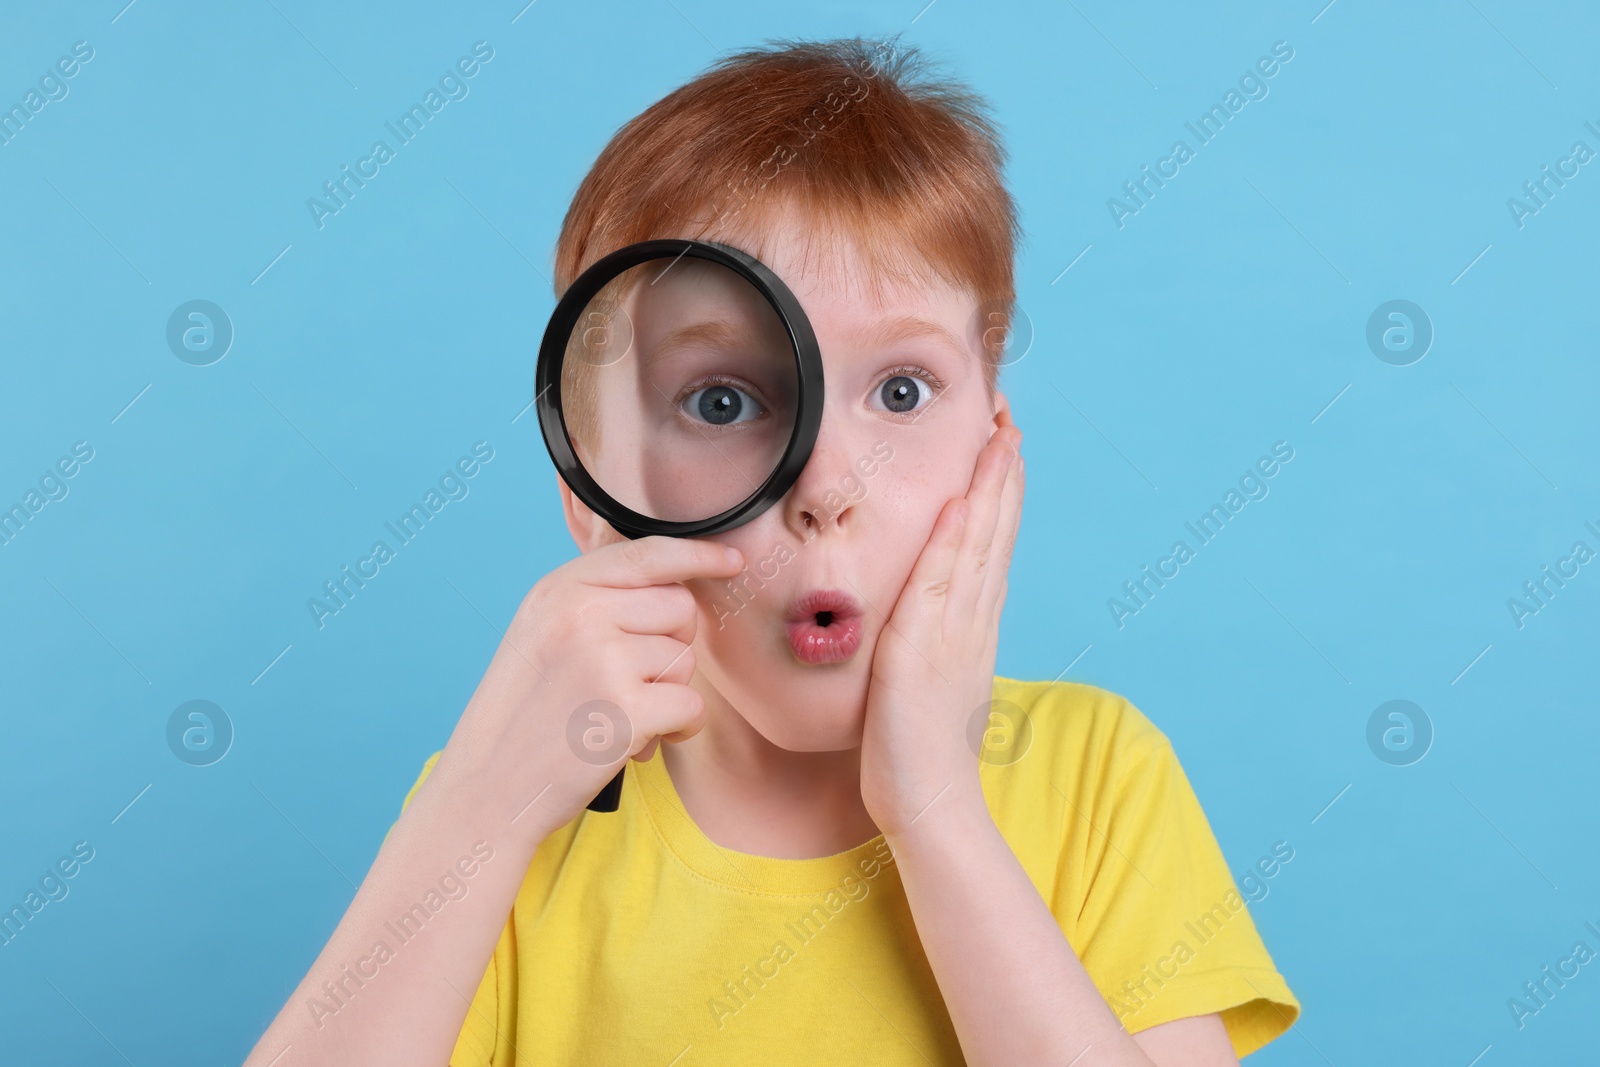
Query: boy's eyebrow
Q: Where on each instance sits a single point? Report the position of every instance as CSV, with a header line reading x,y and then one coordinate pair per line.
x,y
909,327
705,330
886,332
715,332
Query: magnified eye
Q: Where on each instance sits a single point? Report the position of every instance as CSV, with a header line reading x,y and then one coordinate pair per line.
x,y
721,404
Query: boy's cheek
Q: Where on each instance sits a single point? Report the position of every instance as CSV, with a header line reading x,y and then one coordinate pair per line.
x,y
905,523
754,540
944,477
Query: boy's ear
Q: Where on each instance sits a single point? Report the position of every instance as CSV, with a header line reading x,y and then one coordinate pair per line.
x,y
589,531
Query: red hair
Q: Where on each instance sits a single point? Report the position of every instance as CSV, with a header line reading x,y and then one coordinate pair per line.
x,y
856,133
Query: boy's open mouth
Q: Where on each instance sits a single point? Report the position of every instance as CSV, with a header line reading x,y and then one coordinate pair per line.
x,y
824,626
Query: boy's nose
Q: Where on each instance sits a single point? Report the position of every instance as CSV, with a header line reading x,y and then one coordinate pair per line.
x,y
828,490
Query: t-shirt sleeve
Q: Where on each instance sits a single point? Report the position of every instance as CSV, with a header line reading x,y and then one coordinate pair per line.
x,y
480,1032
427,769
1163,930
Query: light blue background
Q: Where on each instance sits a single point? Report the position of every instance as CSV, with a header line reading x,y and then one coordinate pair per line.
x,y
1223,317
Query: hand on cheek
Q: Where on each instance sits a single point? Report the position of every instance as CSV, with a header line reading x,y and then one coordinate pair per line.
x,y
934,663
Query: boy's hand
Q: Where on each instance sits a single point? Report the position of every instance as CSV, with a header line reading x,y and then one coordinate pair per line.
x,y
594,668
934,663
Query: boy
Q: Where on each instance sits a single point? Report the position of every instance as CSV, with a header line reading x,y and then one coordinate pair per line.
x,y
859,844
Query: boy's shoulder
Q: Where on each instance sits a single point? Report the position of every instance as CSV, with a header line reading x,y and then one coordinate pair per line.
x,y
1065,763
1063,726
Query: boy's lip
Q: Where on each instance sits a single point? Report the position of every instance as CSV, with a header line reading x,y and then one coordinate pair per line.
x,y
814,642
837,602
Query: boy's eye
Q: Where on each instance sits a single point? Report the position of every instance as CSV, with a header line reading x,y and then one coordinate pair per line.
x,y
900,394
904,393
721,404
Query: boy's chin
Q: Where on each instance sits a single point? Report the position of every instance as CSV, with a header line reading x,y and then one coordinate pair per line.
x,y
821,712
804,709
794,736
796,706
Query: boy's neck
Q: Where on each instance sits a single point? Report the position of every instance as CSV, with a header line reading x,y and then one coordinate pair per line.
x,y
749,795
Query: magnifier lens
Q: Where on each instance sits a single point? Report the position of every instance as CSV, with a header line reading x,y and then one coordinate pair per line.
x,y
679,388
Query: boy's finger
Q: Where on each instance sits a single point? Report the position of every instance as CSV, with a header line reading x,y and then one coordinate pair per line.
x,y
652,610
918,611
988,485
657,560
1005,534
1004,415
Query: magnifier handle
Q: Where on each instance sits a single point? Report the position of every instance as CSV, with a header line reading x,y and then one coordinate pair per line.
x,y
607,798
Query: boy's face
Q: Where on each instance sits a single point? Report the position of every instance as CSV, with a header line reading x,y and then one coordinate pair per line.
x,y
889,454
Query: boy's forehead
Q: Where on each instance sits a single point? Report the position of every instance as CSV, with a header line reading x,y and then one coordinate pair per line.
x,y
829,265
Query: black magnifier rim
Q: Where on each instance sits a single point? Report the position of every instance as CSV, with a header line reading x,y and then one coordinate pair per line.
x,y
553,349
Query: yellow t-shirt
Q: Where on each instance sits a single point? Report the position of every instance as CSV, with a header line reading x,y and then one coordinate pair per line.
x,y
636,939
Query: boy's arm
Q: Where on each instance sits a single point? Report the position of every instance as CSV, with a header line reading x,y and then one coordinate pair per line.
x,y
406,1004
1015,989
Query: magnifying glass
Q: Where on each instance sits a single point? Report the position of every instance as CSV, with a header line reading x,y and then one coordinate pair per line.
x,y
679,390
